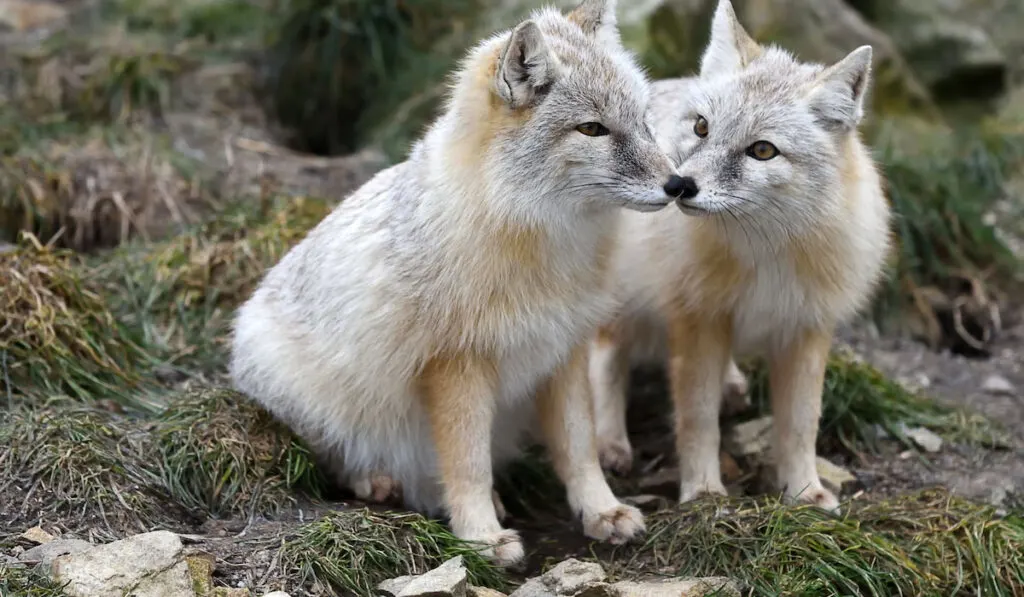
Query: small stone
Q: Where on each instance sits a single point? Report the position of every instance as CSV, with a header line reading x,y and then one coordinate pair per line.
x,y
567,579
37,535
998,386
447,580
833,475
925,439
472,591
679,587
46,553
749,438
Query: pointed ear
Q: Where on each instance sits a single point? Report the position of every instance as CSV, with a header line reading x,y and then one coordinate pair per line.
x,y
597,18
526,68
731,48
837,96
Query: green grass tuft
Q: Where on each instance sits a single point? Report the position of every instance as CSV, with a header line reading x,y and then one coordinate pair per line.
x,y
355,550
922,544
220,454
25,582
59,336
858,399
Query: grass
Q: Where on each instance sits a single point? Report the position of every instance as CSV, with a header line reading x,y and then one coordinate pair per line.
x,y
180,294
928,543
83,463
58,335
352,551
221,455
24,582
858,399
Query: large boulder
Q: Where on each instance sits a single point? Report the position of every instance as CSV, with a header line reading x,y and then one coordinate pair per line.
x,y
672,35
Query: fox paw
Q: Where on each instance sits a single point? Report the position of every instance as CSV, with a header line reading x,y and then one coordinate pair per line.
x,y
617,526
615,455
377,489
689,492
818,497
504,548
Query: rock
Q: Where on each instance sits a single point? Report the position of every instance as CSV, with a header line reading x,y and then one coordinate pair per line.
x,y
6,247
833,475
37,535
567,579
925,439
749,438
472,591
679,587
24,15
46,553
998,385
147,565
447,580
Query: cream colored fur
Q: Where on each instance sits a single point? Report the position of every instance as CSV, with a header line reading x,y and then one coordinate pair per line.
x,y
418,332
765,260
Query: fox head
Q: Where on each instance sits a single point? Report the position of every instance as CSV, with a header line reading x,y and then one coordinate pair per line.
x,y
763,136
566,116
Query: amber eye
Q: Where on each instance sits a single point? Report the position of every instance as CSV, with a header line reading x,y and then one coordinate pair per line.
x,y
593,129
700,128
762,150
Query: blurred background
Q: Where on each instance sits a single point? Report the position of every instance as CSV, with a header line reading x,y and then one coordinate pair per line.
x,y
157,156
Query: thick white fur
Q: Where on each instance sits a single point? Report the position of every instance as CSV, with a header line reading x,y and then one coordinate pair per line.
x,y
488,241
804,238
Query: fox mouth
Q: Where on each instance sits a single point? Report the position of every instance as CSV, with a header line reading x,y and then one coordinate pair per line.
x,y
647,206
693,210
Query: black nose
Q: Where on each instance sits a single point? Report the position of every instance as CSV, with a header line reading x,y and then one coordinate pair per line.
x,y
681,187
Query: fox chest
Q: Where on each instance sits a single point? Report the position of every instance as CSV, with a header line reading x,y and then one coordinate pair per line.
x,y
776,304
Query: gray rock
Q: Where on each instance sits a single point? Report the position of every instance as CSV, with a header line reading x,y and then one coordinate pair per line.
x,y
925,439
45,554
472,591
148,565
447,580
749,438
567,579
679,587
998,386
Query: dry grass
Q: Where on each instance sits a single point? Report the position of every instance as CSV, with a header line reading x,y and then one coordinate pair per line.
x,y
57,334
928,543
99,190
352,551
220,454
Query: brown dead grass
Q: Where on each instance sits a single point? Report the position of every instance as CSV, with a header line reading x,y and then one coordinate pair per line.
x,y
98,192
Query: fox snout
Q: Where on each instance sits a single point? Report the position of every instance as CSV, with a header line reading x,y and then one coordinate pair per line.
x,y
682,188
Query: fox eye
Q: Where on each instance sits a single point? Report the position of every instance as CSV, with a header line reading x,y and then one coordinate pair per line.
x,y
762,150
593,129
700,128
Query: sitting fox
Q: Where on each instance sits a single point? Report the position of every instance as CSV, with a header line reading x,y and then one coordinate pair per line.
x,y
418,332
782,232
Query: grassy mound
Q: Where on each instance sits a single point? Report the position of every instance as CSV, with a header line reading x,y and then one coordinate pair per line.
x,y
180,293
923,544
354,550
858,400
220,454
59,336
82,463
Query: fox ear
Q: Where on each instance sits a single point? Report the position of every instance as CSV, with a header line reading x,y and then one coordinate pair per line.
x,y
837,96
597,18
731,48
526,68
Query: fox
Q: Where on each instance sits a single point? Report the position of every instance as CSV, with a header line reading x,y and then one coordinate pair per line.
x,y
442,312
782,233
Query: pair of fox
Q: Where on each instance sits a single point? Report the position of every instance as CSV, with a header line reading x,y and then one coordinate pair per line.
x,y
496,286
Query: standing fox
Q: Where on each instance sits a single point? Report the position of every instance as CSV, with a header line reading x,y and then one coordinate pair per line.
x,y
782,232
415,333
